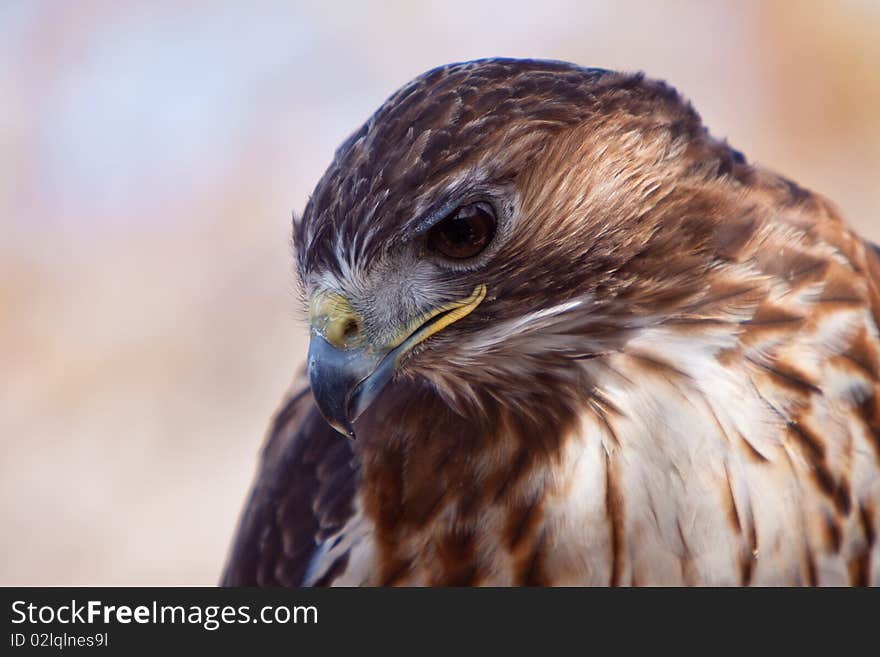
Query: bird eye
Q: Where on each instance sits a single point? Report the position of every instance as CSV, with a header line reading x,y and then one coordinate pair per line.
x,y
464,233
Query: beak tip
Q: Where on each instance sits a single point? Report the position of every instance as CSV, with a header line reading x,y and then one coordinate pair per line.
x,y
345,429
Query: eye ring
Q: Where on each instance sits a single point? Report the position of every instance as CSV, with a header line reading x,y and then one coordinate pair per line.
x,y
464,233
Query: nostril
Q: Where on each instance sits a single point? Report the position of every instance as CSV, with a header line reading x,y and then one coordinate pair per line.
x,y
350,330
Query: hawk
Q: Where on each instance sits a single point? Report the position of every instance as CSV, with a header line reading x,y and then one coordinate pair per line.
x,y
561,335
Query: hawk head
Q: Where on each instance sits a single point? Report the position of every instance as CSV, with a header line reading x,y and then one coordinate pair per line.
x,y
494,220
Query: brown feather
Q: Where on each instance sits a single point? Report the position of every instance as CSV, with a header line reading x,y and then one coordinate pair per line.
x,y
646,275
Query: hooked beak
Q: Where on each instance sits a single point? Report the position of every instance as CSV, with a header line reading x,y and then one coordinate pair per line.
x,y
346,373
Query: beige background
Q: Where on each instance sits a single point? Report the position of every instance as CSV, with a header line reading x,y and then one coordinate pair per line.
x,y
150,156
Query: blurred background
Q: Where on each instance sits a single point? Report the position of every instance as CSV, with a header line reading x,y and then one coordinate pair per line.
x,y
150,157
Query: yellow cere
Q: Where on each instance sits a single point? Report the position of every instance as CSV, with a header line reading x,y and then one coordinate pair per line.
x,y
332,317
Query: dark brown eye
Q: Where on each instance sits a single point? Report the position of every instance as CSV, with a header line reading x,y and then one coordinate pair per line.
x,y
464,233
